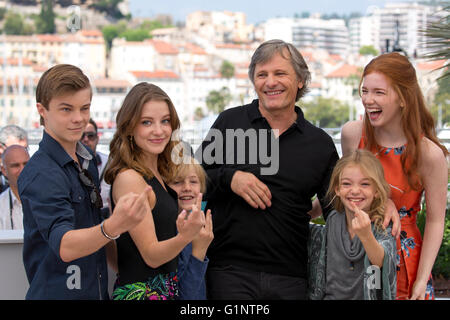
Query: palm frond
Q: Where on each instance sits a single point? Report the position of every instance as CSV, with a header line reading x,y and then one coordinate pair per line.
x,y
437,36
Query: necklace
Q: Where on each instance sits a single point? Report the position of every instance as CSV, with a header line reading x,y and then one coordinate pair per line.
x,y
352,266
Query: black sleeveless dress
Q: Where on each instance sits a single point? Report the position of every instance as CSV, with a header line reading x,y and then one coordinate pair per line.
x,y
137,280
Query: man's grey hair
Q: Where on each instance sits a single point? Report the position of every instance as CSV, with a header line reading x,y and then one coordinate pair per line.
x,y
14,131
269,48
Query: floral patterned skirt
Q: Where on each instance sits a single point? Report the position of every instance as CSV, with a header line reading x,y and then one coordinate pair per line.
x,y
160,287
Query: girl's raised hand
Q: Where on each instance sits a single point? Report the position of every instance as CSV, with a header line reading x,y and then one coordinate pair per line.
x,y
361,223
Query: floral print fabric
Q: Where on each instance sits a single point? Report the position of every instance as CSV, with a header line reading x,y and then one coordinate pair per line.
x,y
160,287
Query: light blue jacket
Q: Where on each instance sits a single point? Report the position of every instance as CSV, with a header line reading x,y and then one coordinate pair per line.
x,y
191,275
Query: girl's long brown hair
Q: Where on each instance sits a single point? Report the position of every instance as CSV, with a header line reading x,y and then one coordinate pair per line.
x,y
417,121
124,153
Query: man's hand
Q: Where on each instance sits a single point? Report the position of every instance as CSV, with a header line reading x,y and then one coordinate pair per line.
x,y
316,210
251,189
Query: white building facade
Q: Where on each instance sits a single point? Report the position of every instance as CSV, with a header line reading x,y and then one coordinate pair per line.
x,y
315,33
396,25
365,31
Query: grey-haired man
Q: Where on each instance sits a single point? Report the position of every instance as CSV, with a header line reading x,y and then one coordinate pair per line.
x,y
261,219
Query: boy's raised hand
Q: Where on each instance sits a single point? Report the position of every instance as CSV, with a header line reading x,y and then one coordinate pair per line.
x,y
190,223
204,238
130,210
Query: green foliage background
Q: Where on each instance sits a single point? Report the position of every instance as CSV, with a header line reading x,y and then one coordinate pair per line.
x,y
442,264
326,112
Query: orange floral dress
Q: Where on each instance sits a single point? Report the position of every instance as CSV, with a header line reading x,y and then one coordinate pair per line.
x,y
407,202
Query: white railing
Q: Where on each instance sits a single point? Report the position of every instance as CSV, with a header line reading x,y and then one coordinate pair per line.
x,y
194,137
13,280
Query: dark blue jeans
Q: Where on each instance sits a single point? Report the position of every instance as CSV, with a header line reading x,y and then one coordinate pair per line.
x,y
236,283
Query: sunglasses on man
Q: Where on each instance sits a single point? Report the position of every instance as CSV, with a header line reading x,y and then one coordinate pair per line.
x,y
94,195
90,135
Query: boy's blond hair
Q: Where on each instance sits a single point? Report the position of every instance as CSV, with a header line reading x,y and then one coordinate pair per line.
x,y
182,170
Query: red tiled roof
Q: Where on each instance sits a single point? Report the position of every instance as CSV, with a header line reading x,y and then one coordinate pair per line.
x,y
91,33
233,46
194,49
343,71
15,81
18,38
163,47
431,65
158,74
49,38
111,83
336,57
39,68
307,55
241,75
15,61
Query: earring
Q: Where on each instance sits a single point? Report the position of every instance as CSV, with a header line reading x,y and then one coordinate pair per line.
x,y
131,143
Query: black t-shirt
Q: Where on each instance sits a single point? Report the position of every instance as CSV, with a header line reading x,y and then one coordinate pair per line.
x,y
132,267
273,240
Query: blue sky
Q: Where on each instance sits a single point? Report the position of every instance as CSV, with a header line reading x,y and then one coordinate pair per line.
x,y
256,10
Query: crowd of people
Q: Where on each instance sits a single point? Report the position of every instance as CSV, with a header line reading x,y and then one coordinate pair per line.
x,y
221,225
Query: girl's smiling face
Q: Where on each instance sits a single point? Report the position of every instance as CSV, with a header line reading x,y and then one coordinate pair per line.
x,y
381,102
355,188
153,131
